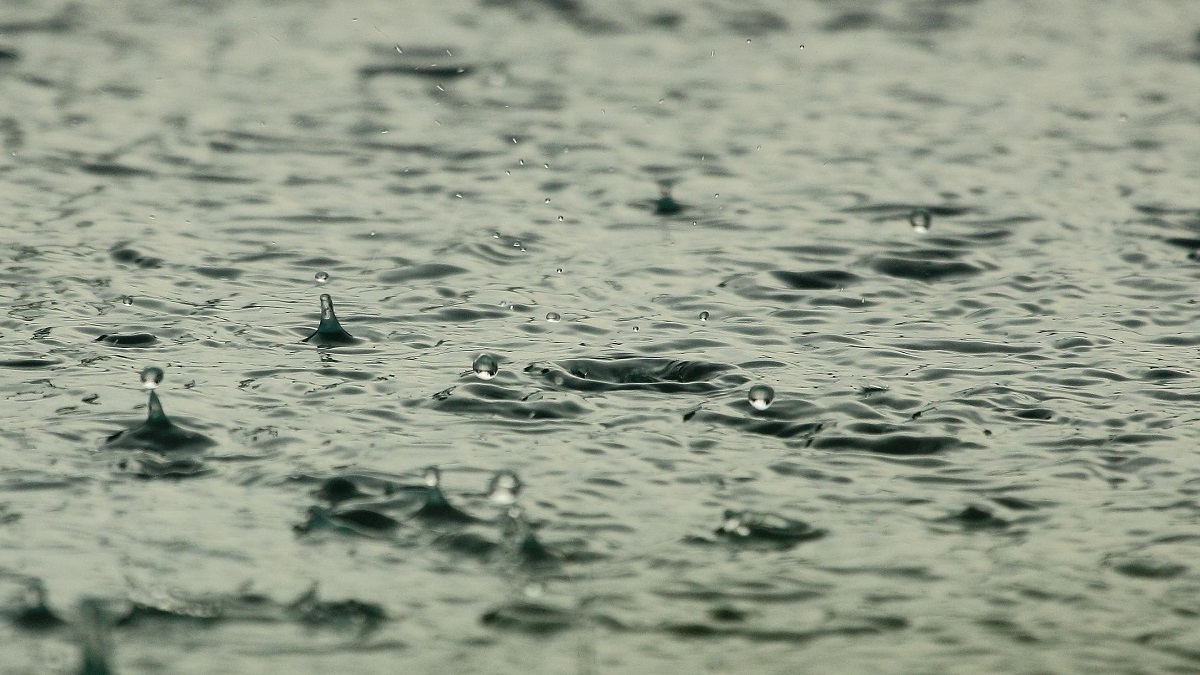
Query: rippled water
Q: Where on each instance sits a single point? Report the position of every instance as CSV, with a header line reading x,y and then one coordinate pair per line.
x,y
980,453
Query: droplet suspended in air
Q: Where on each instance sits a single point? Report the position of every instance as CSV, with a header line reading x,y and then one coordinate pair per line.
x,y
553,317
126,300
504,488
920,219
322,277
704,316
558,271
761,396
485,366
152,377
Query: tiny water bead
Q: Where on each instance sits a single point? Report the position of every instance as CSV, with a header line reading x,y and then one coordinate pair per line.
x,y
322,277
920,219
704,316
485,366
553,317
432,477
126,300
152,377
504,488
761,396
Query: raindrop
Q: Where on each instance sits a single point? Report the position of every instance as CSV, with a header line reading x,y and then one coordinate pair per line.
x,y
920,219
636,329
432,477
504,488
151,377
560,219
126,300
558,271
485,366
553,317
547,200
322,277
761,396
704,316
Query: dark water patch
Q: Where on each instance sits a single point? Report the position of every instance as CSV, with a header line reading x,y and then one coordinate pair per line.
x,y
1146,568
128,339
1164,374
572,12
32,611
125,255
357,521
529,617
816,281
922,269
64,21
28,364
457,315
1034,414
895,443
221,273
624,373
431,71
9,54
350,614
425,272
113,170
966,346
976,518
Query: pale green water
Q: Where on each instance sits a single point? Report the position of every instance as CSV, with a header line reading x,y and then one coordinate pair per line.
x,y
986,431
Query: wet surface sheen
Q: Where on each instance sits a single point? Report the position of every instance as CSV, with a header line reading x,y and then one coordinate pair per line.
x,y
957,240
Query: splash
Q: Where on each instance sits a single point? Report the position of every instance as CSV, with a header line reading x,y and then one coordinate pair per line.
x,y
330,332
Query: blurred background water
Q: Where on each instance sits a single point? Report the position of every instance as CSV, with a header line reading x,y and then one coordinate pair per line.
x,y
953,238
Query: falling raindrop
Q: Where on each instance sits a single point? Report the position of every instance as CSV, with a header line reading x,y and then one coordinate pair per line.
x,y
761,396
920,219
151,377
485,366
322,277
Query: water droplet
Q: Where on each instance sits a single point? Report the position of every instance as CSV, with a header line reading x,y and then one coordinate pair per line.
x,y
504,488
516,244
322,277
704,316
761,396
558,271
126,300
547,200
560,219
485,366
636,329
151,377
553,317
920,219
747,40
432,477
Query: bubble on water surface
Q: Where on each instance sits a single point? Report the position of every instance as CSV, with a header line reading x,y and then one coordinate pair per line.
x,y
704,316
761,396
921,220
485,366
152,377
322,277
432,477
553,317
504,488
126,300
